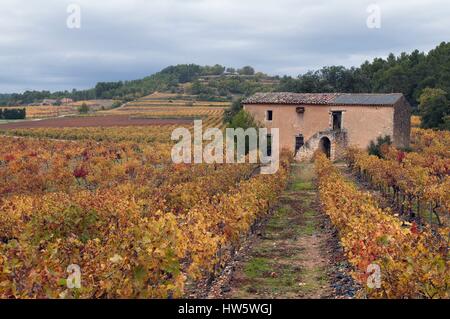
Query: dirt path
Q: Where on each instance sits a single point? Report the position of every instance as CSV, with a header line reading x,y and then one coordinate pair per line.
x,y
296,255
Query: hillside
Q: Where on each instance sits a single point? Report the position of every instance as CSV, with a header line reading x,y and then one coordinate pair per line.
x,y
206,83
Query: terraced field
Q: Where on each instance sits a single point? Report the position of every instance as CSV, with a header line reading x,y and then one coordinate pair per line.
x,y
34,112
173,106
156,115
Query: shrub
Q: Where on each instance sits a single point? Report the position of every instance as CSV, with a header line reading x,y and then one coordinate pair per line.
x,y
231,112
84,108
116,104
376,148
12,114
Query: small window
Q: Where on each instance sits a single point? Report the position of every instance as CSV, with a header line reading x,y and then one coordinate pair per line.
x,y
300,109
269,115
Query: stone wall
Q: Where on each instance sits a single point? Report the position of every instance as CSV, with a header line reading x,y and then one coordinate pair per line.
x,y
362,123
338,141
402,123
340,144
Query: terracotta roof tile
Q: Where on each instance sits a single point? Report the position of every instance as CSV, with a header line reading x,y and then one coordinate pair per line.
x,y
324,98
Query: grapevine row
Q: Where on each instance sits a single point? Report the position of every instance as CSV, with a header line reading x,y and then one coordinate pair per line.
x,y
416,185
413,263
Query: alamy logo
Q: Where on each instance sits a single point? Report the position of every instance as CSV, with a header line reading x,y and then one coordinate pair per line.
x,y
374,19
74,279
74,19
374,278
252,144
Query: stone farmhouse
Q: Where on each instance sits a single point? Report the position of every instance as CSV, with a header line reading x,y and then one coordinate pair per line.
x,y
332,121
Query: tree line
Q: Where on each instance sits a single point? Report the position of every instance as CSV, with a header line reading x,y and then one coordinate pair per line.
x,y
409,74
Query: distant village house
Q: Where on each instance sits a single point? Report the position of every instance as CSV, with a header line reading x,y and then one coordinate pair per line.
x,y
49,102
63,101
66,100
332,121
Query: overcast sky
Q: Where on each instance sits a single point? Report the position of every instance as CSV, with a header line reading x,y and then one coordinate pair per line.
x,y
129,39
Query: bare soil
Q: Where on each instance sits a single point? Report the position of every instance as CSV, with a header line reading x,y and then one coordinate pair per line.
x,y
92,121
295,255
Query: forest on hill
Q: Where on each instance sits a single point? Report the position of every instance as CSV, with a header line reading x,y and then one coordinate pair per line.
x,y
408,73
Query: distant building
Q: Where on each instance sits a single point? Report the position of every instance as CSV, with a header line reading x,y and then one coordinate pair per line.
x,y
49,102
66,100
332,121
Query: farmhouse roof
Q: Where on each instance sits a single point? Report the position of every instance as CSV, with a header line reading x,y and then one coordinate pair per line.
x,y
370,99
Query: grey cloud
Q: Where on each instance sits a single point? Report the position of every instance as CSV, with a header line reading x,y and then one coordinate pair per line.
x,y
128,39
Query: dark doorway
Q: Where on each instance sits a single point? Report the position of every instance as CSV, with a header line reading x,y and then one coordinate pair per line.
x,y
299,142
269,144
337,120
325,146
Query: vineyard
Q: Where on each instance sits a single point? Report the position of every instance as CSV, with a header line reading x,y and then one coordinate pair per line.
x,y
173,106
51,111
110,200
224,158
139,134
409,240
138,111
417,182
34,112
136,224
414,263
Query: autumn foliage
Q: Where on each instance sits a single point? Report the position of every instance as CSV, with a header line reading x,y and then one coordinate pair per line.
x,y
418,182
414,263
138,225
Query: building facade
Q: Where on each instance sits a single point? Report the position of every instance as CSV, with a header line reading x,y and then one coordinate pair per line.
x,y
331,121
66,100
